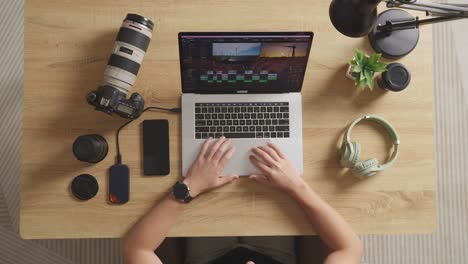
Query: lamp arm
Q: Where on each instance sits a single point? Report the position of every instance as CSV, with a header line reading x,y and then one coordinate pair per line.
x,y
454,9
413,23
442,12
430,10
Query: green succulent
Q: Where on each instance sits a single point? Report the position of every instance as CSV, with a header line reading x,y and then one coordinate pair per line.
x,y
363,68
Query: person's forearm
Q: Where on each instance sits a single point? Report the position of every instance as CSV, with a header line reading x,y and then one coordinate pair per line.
x,y
328,223
202,176
152,229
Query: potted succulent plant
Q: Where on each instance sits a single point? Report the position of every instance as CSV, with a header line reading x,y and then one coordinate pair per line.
x,y
362,69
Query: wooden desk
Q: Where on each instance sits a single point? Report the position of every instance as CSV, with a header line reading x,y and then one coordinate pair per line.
x,y
67,44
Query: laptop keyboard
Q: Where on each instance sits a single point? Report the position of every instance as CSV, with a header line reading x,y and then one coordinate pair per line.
x,y
242,120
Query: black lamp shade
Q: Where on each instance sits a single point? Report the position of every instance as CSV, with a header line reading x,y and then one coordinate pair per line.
x,y
353,18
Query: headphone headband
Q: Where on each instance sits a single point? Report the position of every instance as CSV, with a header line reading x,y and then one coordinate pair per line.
x,y
387,126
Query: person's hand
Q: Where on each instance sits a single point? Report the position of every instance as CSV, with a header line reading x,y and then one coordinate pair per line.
x,y
277,170
205,172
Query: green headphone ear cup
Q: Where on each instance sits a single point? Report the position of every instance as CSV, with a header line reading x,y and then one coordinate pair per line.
x,y
356,154
343,153
347,155
366,168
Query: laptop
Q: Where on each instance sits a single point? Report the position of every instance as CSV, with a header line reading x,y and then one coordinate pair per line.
x,y
245,86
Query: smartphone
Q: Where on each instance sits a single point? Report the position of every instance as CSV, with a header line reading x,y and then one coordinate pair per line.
x,y
156,147
119,184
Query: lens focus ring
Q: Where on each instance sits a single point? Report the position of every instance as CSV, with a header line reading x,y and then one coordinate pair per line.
x,y
134,38
124,63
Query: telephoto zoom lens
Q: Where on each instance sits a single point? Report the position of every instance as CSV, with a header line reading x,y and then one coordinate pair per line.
x,y
129,50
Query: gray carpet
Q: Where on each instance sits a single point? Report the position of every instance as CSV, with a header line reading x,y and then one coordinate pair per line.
x,y
447,245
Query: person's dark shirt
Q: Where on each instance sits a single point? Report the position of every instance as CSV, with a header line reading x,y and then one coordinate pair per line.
x,y
241,255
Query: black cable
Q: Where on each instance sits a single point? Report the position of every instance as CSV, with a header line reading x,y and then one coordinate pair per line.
x,y
119,156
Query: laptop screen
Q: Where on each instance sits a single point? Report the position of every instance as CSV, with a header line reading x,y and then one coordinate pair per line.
x,y
243,62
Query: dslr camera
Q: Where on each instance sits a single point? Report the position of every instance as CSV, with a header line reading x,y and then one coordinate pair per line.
x,y
122,68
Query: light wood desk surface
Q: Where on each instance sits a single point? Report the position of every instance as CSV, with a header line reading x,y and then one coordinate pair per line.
x,y
67,45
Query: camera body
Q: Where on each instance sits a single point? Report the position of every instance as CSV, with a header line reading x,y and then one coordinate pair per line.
x,y
109,100
122,68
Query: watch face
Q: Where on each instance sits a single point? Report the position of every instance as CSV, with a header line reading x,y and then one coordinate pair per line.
x,y
180,191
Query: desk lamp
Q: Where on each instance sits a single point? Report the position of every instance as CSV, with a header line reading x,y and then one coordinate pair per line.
x,y
394,32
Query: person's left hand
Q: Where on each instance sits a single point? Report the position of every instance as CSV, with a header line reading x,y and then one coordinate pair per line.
x,y
205,172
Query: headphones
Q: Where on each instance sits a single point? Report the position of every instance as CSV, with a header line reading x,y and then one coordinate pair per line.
x,y
350,151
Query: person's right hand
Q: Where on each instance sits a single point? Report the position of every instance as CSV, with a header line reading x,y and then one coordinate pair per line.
x,y
277,170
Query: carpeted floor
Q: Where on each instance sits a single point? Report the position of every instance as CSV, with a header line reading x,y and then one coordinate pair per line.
x,y
448,244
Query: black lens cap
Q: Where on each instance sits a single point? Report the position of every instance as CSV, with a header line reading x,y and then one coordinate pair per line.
x,y
84,187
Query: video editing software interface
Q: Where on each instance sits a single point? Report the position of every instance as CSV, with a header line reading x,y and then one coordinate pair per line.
x,y
244,63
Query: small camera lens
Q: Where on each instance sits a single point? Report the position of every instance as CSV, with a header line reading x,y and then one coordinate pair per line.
x,y
396,78
90,148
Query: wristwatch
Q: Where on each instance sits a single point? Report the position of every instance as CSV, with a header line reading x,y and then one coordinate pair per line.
x,y
181,192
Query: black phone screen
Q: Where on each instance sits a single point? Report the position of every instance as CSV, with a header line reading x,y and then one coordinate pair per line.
x,y
156,147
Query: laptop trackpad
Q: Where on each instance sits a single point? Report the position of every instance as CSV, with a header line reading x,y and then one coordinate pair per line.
x,y
240,163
